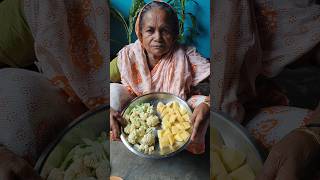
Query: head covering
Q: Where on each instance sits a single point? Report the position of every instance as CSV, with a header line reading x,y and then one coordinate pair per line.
x,y
137,25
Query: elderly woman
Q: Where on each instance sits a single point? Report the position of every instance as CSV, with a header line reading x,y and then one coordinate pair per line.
x,y
156,62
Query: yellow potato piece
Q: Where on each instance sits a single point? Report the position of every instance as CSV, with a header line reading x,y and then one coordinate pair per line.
x,y
184,135
232,158
217,167
224,177
164,142
167,132
160,107
160,133
179,126
243,173
178,137
186,125
174,129
166,125
172,118
180,119
165,112
171,140
183,111
186,117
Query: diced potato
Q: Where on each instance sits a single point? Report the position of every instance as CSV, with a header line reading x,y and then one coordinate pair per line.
x,y
180,119
164,142
179,126
184,135
171,139
178,137
167,132
160,107
172,118
166,125
174,129
186,117
218,167
160,133
183,111
165,112
224,176
244,172
232,158
186,125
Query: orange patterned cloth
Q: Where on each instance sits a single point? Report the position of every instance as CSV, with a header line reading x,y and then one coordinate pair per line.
x,y
256,37
71,44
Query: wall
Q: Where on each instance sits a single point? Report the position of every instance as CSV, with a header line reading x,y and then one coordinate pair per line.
x,y
201,11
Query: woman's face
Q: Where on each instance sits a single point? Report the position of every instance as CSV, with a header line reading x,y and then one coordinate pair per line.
x,y
157,33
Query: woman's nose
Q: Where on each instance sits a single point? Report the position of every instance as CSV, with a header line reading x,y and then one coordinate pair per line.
x,y
157,36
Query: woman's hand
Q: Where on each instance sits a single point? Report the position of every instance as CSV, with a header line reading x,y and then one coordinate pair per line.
x,y
116,121
289,158
13,167
199,115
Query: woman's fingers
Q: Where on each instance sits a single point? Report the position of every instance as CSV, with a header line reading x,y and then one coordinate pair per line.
x,y
193,116
196,125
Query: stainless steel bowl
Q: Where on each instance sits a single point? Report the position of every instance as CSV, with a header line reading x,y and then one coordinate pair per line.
x,y
237,137
153,99
88,125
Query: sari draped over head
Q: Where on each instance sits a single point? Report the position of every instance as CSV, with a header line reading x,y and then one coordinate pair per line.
x,y
175,73
71,45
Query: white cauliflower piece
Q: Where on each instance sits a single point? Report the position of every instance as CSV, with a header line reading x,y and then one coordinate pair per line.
x,y
153,121
77,169
56,174
148,139
133,136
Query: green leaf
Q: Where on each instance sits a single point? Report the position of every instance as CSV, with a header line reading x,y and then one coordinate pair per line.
x,y
115,13
133,13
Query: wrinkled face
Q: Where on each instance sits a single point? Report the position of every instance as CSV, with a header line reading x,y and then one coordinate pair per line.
x,y
157,32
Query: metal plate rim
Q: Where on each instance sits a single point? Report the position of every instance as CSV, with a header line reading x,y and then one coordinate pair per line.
x,y
258,150
48,150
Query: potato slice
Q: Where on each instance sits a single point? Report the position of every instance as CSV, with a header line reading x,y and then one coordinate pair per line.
x,y
217,167
224,176
244,172
174,129
160,107
232,158
177,137
184,135
182,111
160,133
179,126
186,125
172,118
186,117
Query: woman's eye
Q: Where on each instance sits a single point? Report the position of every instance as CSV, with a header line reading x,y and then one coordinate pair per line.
x,y
149,30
